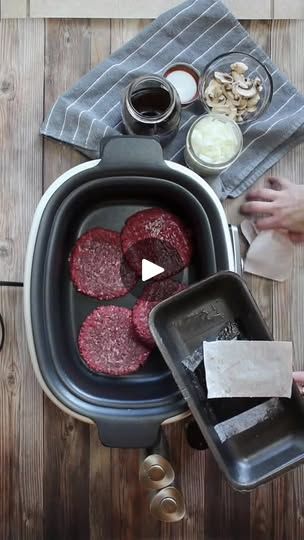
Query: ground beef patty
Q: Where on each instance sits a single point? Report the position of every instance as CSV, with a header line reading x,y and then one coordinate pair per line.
x,y
160,237
108,344
97,265
152,295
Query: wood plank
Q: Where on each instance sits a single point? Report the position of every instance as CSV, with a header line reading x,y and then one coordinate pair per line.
x,y
66,441
261,288
13,9
287,40
269,518
67,58
129,502
21,429
261,500
190,470
232,520
136,9
101,518
100,507
288,10
100,31
66,475
21,112
261,507
123,30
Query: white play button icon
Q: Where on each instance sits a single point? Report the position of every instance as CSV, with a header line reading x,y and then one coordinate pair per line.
x,y
150,270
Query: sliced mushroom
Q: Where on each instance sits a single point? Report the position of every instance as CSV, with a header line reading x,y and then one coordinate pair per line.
x,y
214,89
243,104
230,95
257,82
234,101
237,77
235,90
221,107
233,114
239,67
226,109
213,102
224,78
210,102
252,102
245,84
234,94
247,92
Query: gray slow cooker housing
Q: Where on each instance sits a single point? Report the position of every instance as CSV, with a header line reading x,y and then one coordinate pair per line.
x,y
127,161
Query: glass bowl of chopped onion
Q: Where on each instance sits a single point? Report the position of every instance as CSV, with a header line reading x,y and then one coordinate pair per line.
x,y
236,85
213,143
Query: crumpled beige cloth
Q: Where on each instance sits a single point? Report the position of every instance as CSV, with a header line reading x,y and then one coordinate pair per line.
x,y
270,253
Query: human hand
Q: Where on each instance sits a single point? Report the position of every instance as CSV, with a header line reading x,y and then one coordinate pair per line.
x,y
282,207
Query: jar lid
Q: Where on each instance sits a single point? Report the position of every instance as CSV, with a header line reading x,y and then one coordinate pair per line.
x,y
185,79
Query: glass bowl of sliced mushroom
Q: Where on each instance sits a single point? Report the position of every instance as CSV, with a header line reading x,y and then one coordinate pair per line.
x,y
236,85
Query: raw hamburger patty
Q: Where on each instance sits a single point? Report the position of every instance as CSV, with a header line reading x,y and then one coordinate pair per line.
x,y
152,295
108,344
97,265
160,237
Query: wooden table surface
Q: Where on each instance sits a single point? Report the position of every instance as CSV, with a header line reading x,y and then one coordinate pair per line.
x,y
56,481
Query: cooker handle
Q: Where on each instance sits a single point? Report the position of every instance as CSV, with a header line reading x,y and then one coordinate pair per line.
x,y
128,432
135,154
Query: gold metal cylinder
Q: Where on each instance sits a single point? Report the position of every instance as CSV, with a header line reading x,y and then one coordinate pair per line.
x,y
156,472
168,505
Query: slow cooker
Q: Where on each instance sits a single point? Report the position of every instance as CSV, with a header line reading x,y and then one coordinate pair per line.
x,y
130,175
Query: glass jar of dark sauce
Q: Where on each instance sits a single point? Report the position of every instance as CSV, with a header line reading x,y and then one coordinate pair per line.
x,y
151,106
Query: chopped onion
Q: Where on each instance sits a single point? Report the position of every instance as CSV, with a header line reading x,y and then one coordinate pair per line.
x,y
214,141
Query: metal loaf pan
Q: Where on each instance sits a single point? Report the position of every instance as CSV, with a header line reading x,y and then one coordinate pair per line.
x,y
253,440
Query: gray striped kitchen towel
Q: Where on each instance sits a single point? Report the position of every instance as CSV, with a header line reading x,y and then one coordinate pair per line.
x,y
195,31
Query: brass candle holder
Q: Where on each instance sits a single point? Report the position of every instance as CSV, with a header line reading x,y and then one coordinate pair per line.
x,y
168,505
156,472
